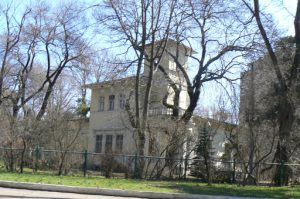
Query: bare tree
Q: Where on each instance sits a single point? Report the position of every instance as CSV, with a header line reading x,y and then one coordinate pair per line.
x,y
213,27
63,43
64,128
287,85
13,29
207,24
140,24
37,49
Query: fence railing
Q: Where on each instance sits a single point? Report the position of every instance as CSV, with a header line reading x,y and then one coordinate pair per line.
x,y
131,166
87,163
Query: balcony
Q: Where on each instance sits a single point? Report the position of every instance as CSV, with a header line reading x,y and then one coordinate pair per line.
x,y
163,111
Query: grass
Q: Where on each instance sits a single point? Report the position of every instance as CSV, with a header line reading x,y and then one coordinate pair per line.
x,y
190,187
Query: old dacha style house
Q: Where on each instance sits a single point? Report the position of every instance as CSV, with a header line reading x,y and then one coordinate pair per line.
x,y
109,127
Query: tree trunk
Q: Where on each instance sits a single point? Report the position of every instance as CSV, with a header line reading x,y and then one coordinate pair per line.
x,y
45,102
61,163
252,138
207,162
282,154
22,156
193,104
141,162
11,160
286,112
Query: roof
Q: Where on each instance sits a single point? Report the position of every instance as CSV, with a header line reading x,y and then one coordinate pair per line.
x,y
111,82
228,126
132,78
172,41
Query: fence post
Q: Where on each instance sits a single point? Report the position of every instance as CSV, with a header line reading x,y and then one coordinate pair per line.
x,y
281,175
185,166
180,169
85,163
135,167
36,158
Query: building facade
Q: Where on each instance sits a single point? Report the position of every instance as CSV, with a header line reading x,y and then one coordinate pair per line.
x,y
110,129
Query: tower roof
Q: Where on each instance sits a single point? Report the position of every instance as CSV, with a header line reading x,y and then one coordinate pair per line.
x,y
181,46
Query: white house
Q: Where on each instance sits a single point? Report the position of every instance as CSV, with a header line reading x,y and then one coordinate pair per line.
x,y
110,129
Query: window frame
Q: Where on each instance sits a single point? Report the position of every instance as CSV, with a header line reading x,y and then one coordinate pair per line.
x,y
98,143
119,143
111,102
122,101
108,146
101,103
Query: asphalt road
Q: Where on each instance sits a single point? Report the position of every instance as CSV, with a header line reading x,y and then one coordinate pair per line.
x,y
7,193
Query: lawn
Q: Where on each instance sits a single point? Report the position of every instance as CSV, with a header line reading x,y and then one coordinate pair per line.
x,y
190,187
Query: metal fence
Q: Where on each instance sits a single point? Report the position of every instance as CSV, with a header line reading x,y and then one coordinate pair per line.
x,y
129,166
86,163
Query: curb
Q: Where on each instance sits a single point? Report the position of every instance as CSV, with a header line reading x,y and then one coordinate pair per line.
x,y
107,192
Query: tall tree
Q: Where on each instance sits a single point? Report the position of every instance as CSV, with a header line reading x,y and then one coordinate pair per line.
x,y
37,48
140,24
288,98
208,24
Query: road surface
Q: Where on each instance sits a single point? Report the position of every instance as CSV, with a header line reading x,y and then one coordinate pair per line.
x,y
7,193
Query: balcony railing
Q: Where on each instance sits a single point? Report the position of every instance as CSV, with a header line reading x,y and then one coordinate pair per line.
x,y
164,111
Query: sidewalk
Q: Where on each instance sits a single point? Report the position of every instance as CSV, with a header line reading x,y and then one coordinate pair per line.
x,y
109,192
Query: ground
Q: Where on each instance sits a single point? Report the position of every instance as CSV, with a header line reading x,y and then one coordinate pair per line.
x,y
6,193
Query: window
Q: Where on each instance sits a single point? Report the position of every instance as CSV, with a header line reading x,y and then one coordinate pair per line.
x,y
98,147
111,102
101,103
119,143
108,144
122,101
